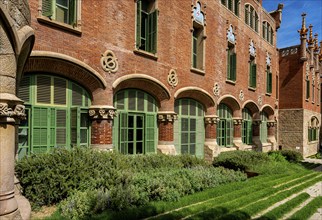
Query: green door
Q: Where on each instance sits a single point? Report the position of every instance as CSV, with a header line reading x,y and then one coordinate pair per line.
x,y
135,130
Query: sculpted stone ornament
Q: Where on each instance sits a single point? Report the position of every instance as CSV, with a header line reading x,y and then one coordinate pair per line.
x,y
18,112
230,35
109,62
237,121
167,116
98,113
252,48
271,124
173,78
260,101
216,89
241,95
211,119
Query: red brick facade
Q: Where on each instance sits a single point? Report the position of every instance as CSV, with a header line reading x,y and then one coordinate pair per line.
x,y
110,25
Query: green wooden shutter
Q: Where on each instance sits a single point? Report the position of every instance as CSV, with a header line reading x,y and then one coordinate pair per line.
x,y
123,132
233,60
152,31
77,95
236,7
72,12
24,89
150,133
270,82
253,80
138,23
247,14
60,92
229,132
47,8
43,89
223,2
200,137
194,49
74,132
40,129
307,89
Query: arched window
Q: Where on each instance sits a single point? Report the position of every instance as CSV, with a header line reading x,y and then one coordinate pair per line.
x,y
225,126
232,5
135,129
263,127
268,32
198,38
313,129
251,17
189,130
57,114
247,126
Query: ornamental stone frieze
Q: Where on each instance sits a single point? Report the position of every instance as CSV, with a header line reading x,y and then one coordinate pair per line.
x,y
109,62
167,116
237,121
102,112
211,119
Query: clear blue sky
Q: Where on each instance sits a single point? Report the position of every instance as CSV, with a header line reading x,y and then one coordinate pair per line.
x,y
287,34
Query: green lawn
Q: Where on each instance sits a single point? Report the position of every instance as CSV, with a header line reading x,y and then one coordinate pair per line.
x,y
242,200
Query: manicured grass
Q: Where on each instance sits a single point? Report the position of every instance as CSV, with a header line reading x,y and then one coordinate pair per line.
x,y
281,210
307,211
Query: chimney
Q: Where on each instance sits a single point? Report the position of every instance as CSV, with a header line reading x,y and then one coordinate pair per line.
x,y
303,34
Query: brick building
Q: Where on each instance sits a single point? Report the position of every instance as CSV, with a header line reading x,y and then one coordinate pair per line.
x,y
141,76
300,94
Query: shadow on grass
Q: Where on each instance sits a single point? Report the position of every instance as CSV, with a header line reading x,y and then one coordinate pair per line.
x,y
309,166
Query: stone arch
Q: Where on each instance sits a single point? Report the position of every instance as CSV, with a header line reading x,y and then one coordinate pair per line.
x,y
253,107
66,66
143,82
269,111
196,93
232,103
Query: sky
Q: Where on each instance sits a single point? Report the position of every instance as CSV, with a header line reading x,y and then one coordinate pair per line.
x,y
287,34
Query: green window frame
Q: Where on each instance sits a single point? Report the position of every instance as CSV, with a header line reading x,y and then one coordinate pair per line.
x,y
268,32
52,120
231,64
232,5
263,127
135,130
198,47
269,80
251,17
64,11
252,73
189,130
307,82
247,131
146,25
313,130
225,130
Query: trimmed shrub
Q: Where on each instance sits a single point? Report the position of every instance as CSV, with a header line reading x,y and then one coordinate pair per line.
x,y
240,160
289,155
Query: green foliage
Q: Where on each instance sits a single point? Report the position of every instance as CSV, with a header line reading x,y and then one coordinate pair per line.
x,y
290,155
307,211
276,156
240,160
120,181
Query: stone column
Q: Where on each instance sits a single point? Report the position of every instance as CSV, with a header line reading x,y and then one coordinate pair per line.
x,y
256,134
102,126
165,124
271,125
11,110
211,148
237,141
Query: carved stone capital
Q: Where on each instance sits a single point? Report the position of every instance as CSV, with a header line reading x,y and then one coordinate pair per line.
x,y
17,111
167,116
257,122
102,112
271,123
238,121
211,119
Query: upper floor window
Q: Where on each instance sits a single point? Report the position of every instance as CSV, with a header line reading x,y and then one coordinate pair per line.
x,y
232,5
231,55
198,38
269,79
146,25
307,82
252,65
251,17
64,11
268,32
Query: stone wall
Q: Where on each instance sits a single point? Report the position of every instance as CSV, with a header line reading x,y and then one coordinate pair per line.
x,y
310,148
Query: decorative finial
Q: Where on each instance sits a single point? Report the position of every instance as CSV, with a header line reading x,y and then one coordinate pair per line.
x,y
303,30
310,41
316,43
320,56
